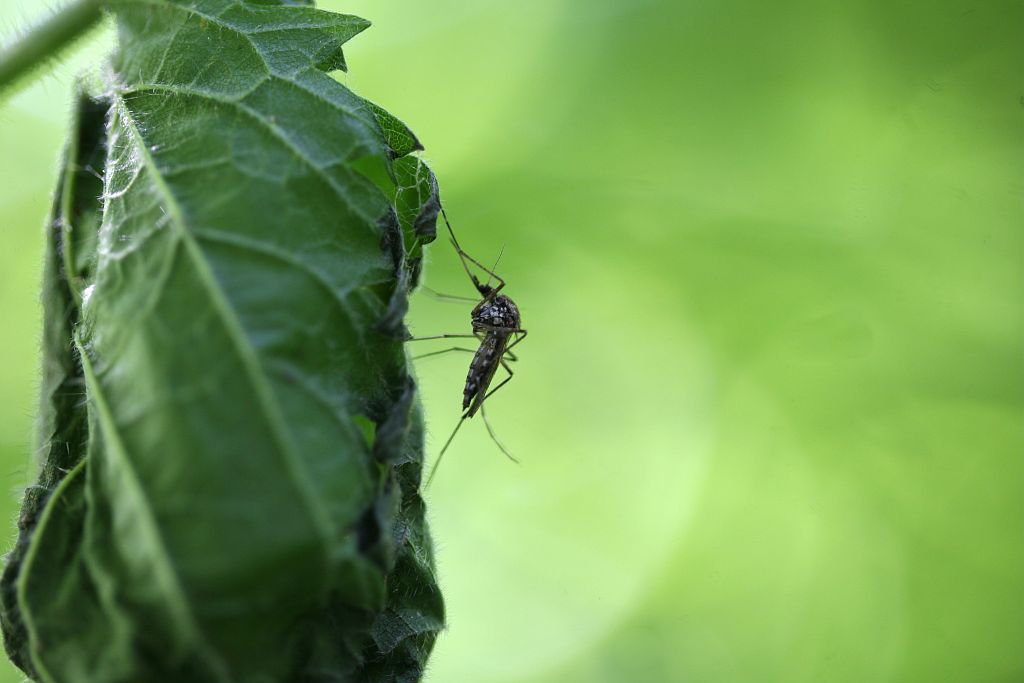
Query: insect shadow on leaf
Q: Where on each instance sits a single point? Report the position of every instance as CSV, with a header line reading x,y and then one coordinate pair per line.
x,y
497,326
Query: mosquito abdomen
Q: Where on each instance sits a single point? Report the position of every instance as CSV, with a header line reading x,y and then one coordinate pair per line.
x,y
481,369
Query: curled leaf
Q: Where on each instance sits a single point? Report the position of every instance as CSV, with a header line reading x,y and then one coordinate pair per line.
x,y
234,301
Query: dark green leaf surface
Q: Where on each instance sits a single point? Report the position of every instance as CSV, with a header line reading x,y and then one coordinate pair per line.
x,y
400,139
418,202
233,523
61,429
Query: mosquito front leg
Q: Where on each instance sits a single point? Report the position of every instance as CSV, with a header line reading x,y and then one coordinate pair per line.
x,y
463,256
443,336
481,288
438,353
440,296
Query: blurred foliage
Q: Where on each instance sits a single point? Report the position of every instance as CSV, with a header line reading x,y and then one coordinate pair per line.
x,y
770,410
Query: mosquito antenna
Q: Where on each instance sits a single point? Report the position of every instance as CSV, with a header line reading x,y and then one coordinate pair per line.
x,y
494,438
495,266
433,470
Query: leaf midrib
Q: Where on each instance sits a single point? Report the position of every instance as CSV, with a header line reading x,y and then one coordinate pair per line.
x,y
178,603
236,334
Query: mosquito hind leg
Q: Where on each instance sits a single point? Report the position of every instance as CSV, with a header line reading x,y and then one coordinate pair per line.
x,y
433,470
494,437
469,413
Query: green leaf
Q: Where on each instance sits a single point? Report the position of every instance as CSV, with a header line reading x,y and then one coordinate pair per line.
x,y
241,297
417,198
61,430
418,201
62,601
400,139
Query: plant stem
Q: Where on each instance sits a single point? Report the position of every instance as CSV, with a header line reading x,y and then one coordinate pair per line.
x,y
44,40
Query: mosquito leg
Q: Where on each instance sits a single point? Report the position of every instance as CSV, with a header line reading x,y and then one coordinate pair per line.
x,y
438,353
440,296
508,352
469,413
444,336
521,337
463,256
494,438
500,385
433,470
476,281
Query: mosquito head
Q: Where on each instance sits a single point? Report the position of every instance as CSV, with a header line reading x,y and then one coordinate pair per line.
x,y
499,313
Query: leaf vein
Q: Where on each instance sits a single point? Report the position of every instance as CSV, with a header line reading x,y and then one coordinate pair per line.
x,y
179,604
281,135
239,242
246,353
371,120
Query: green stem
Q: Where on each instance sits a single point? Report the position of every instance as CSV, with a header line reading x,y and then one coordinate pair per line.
x,y
44,40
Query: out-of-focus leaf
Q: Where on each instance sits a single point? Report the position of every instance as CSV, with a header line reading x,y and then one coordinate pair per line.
x,y
61,430
237,525
65,617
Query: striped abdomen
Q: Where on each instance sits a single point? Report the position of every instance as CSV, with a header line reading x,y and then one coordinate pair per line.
x,y
481,370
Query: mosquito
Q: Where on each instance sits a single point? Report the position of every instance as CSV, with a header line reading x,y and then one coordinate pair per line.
x,y
496,325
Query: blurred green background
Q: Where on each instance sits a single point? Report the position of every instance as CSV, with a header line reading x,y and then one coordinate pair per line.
x,y
771,256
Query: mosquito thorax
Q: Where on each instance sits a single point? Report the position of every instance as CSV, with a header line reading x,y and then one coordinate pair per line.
x,y
498,312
